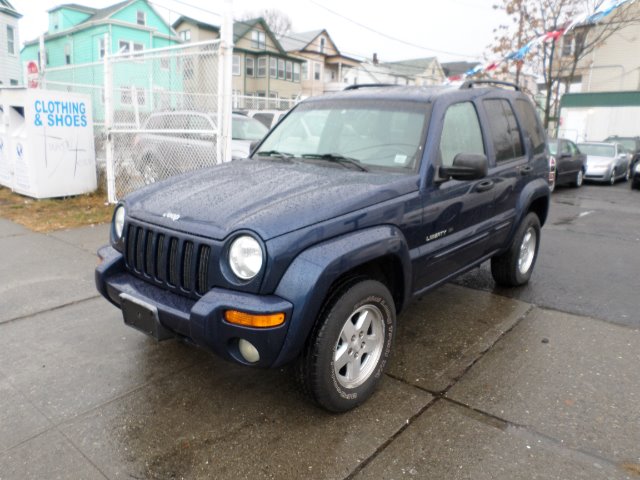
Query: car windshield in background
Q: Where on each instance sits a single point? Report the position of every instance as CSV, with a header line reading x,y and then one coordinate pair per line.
x,y
553,147
597,150
375,134
247,129
628,143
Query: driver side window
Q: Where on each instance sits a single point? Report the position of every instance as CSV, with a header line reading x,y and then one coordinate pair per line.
x,y
460,133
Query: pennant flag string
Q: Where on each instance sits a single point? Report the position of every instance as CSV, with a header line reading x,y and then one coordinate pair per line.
x,y
583,19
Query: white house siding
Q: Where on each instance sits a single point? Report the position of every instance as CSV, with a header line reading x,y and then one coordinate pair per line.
x,y
10,66
615,65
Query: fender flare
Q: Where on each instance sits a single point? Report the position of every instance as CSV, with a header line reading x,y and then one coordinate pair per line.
x,y
532,192
321,265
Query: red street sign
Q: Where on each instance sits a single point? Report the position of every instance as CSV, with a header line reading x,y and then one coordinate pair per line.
x,y
32,74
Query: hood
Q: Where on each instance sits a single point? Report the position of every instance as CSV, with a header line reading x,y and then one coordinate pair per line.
x,y
595,161
267,197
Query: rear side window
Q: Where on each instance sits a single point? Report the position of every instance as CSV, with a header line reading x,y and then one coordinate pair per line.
x,y
531,124
264,118
505,133
460,133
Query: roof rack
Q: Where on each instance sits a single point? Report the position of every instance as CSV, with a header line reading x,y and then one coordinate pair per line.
x,y
472,83
368,85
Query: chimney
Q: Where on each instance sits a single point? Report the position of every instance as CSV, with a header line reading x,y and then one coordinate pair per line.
x,y
375,59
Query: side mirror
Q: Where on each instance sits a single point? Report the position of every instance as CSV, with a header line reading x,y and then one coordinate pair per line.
x,y
466,166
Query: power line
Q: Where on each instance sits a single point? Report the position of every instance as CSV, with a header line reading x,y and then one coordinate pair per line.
x,y
395,39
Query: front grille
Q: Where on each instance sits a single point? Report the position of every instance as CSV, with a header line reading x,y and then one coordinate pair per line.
x,y
179,263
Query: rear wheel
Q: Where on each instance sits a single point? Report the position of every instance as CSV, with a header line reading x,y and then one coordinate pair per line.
x,y
347,352
514,267
579,179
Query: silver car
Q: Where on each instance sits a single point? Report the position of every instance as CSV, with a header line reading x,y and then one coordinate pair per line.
x,y
606,162
173,142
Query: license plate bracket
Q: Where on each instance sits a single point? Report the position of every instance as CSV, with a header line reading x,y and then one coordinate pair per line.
x,y
143,317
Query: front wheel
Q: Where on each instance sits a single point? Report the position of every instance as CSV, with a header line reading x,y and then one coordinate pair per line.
x,y
347,352
514,267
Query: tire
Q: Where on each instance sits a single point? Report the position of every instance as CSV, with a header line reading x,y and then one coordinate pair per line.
x,y
514,267
612,180
149,170
577,183
348,349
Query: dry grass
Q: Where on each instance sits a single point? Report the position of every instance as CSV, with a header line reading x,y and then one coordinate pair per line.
x,y
55,214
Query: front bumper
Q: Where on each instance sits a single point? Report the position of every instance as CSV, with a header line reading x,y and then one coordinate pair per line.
x,y
598,174
202,320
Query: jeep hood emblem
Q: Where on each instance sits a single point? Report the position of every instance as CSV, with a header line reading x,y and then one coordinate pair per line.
x,y
171,216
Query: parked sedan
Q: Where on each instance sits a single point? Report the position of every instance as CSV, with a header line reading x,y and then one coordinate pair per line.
x,y
632,144
567,164
606,162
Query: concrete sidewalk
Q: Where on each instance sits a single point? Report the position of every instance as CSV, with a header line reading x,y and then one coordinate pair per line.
x,y
480,386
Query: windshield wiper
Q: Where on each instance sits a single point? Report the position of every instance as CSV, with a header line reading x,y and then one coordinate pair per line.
x,y
336,157
274,153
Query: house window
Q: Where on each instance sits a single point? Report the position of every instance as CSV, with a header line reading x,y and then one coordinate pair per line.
x,y
249,64
262,67
273,67
258,39
188,68
289,72
141,18
11,42
124,46
13,82
281,68
67,53
296,72
125,96
317,70
101,47
185,35
142,97
236,65
322,42
46,58
55,20
305,71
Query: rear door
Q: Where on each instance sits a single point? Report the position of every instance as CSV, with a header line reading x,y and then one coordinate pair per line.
x,y
510,167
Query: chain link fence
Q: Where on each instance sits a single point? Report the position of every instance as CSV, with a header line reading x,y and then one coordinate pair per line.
x,y
164,116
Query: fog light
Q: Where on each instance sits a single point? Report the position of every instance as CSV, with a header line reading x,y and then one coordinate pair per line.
x,y
248,351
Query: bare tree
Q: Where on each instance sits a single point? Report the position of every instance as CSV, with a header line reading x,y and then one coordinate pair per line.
x,y
558,62
278,21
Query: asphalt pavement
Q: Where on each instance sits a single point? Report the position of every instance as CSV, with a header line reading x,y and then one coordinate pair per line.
x,y
542,382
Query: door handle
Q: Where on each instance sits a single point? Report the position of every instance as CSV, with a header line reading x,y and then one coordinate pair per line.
x,y
484,186
526,170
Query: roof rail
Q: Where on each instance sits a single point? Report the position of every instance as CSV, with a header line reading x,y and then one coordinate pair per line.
x,y
472,83
368,85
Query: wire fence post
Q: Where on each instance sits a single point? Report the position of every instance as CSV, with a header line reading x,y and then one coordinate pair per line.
x,y
225,82
108,121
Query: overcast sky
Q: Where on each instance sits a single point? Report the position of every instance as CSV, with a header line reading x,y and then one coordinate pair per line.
x,y
450,29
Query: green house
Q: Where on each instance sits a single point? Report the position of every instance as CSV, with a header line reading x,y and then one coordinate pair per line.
x,y
75,47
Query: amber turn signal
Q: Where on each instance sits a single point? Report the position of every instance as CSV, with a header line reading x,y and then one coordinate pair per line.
x,y
250,320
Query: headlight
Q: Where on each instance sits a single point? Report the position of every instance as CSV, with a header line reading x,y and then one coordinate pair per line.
x,y
245,257
118,222
637,169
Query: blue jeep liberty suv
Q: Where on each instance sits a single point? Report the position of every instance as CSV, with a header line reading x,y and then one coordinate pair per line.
x,y
353,205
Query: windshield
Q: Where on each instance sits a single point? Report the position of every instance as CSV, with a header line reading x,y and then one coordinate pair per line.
x,y
628,143
371,133
245,128
597,150
553,147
